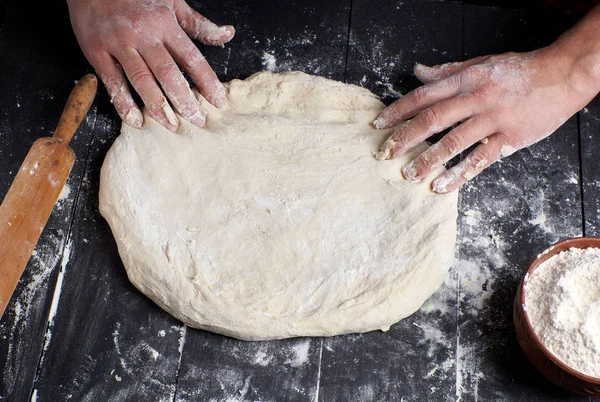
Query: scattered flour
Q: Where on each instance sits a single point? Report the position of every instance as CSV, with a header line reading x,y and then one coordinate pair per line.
x,y
64,193
299,354
269,61
562,298
57,290
433,337
262,358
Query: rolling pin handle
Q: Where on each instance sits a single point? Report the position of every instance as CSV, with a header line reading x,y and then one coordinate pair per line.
x,y
77,106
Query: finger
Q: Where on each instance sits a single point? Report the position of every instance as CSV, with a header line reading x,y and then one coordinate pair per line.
x,y
191,60
481,157
144,83
112,76
417,100
430,121
201,28
174,84
462,137
427,74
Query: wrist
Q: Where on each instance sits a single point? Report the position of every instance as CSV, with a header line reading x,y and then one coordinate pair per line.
x,y
579,51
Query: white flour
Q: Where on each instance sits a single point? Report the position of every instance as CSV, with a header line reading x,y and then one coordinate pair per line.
x,y
562,299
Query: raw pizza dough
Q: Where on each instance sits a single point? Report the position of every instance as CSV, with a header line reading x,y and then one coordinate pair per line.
x,y
275,220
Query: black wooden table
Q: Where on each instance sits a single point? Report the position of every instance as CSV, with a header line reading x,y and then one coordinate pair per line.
x,y
77,330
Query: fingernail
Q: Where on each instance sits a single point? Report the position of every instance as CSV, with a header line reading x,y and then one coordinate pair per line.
x,y
199,118
386,150
172,121
134,118
426,73
230,32
380,122
507,150
409,171
469,175
422,69
220,96
441,185
422,66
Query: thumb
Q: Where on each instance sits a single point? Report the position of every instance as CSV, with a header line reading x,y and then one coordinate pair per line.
x,y
427,74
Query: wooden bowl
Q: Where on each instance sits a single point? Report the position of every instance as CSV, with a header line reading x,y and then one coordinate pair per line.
x,y
549,365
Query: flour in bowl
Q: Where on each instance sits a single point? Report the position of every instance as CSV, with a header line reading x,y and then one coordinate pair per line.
x,y
562,300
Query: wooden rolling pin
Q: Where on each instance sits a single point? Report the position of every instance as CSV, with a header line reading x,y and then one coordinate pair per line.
x,y
32,195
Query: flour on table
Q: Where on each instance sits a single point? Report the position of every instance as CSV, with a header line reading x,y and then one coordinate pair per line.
x,y
296,229
562,300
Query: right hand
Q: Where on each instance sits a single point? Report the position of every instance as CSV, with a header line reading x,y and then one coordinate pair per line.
x,y
145,40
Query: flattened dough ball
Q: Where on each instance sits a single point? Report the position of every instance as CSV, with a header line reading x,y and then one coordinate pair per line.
x,y
275,220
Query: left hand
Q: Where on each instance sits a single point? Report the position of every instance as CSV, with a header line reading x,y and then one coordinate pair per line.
x,y
146,41
505,102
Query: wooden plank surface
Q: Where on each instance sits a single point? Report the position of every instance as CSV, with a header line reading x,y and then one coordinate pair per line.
x,y
300,35
120,346
589,124
35,84
508,214
415,359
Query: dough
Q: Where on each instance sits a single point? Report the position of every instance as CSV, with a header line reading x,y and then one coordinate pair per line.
x,y
275,220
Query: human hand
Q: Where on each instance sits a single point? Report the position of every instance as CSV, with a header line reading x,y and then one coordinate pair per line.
x,y
505,102
145,40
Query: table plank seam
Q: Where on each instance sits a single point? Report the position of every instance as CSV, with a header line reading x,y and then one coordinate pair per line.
x,y
457,368
226,69
457,380
319,372
181,348
581,189
348,41
49,324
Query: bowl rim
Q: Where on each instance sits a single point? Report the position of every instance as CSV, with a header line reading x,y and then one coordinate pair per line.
x,y
547,253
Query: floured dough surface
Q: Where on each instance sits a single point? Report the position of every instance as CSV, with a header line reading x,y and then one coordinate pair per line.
x,y
275,220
